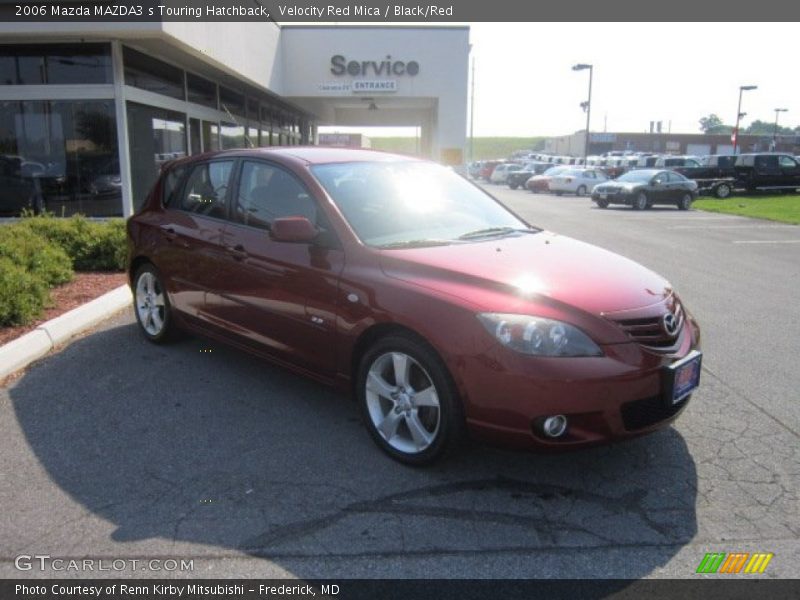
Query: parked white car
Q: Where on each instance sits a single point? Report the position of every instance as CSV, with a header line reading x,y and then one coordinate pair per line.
x,y
577,181
500,173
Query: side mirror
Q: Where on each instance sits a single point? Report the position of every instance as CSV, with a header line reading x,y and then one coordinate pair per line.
x,y
293,229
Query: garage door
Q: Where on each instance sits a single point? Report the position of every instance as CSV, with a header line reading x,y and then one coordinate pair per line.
x,y
698,149
725,149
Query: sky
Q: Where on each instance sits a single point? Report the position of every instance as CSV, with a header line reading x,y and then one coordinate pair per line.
x,y
669,72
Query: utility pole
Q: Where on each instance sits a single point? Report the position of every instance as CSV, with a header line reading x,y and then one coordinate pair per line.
x,y
472,115
739,114
582,67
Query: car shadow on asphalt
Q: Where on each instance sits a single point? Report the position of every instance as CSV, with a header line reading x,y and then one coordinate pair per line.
x,y
201,444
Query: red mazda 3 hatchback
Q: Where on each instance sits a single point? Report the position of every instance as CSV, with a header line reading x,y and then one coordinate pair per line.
x,y
442,311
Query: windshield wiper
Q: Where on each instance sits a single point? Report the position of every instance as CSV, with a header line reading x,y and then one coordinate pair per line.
x,y
421,243
493,231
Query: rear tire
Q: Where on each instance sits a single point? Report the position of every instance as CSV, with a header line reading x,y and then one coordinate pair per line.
x,y
723,190
408,400
152,307
513,186
581,191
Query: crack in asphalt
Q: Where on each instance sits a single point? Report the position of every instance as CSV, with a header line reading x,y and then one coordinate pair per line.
x,y
395,504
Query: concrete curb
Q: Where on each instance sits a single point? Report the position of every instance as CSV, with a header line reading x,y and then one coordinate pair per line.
x,y
22,351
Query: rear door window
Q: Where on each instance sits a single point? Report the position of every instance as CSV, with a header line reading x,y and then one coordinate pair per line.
x,y
206,189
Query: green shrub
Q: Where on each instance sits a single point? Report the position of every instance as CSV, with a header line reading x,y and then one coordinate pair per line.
x,y
92,245
23,295
35,254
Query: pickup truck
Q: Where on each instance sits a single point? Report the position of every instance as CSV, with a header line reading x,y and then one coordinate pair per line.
x,y
767,171
714,174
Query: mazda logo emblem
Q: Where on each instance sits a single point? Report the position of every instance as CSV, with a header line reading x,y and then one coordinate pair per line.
x,y
670,323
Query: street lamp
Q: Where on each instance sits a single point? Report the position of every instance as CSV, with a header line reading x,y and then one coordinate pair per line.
x,y
742,88
775,133
587,106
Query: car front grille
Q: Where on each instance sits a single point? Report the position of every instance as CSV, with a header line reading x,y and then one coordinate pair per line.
x,y
650,331
639,414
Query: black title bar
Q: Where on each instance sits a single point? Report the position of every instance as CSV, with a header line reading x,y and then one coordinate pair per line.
x,y
370,11
701,587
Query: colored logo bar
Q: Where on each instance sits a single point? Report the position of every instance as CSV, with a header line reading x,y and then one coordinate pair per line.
x,y
734,562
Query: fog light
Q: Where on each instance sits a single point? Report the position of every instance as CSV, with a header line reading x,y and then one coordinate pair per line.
x,y
554,426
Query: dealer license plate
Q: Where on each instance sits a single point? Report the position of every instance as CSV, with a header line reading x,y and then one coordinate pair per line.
x,y
683,377
603,196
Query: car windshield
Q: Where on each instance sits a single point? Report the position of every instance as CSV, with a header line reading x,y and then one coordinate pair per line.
x,y
396,204
636,176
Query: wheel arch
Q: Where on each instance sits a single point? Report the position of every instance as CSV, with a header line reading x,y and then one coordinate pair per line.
x,y
377,331
135,264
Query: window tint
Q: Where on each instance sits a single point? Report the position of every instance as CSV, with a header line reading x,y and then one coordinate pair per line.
x,y
207,188
786,161
55,63
148,73
172,181
267,192
766,161
201,91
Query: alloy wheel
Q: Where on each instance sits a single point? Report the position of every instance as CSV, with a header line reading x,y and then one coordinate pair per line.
x,y
150,305
402,402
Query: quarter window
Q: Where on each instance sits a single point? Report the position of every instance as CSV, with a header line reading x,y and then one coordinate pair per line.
x,y
267,192
787,162
207,189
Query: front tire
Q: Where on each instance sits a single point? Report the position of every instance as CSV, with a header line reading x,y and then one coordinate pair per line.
x,y
602,203
640,202
408,401
152,307
513,186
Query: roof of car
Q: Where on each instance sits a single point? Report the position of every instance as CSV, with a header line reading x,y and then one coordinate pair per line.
x,y
313,154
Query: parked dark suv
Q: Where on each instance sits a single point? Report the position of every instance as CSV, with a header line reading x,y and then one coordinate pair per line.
x,y
767,171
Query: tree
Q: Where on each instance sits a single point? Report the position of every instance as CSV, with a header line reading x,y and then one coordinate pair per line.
x,y
713,124
766,128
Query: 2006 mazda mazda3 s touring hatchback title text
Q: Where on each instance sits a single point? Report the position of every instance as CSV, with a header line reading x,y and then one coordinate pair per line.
x,y
445,313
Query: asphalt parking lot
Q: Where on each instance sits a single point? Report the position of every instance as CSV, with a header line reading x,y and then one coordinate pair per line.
x,y
116,449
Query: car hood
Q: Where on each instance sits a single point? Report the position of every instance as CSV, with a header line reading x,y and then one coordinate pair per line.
x,y
505,273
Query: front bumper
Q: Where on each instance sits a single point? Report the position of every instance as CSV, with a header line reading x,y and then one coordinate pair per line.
x,y
613,397
621,197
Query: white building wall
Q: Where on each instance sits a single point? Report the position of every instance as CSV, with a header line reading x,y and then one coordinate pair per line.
x,y
442,54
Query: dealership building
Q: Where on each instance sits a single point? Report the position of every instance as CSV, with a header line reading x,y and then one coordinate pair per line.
x,y
698,144
90,111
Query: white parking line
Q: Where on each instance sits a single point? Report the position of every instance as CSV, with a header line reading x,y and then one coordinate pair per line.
x,y
766,242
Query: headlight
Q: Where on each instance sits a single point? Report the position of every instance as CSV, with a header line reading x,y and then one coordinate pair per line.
x,y
538,336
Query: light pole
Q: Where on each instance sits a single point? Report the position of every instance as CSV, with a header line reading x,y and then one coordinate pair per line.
x,y
588,105
775,132
742,88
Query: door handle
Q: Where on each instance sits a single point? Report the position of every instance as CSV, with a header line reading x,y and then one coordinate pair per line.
x,y
169,233
238,252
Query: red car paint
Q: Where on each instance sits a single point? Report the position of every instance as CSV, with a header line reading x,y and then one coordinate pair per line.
x,y
310,308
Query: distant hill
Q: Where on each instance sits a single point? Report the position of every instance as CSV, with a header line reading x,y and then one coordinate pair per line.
x,y
485,147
